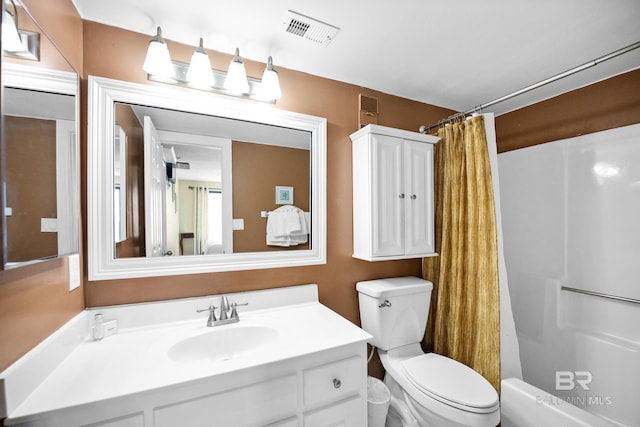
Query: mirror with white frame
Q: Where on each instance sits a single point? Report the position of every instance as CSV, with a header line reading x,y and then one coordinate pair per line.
x,y
184,181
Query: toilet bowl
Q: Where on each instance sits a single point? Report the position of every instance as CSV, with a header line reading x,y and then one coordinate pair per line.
x,y
439,391
426,389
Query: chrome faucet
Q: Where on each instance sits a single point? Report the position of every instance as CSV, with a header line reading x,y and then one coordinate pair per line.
x,y
225,317
224,308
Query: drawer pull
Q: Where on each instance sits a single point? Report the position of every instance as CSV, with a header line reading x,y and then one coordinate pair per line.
x,y
337,383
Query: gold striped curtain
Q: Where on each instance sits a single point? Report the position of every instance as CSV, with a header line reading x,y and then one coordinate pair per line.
x,y
464,319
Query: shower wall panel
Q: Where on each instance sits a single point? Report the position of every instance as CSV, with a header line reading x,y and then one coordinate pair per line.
x,y
571,212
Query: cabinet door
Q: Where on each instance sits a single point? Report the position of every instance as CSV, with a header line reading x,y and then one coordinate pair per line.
x,y
348,413
249,406
291,422
387,197
418,161
136,420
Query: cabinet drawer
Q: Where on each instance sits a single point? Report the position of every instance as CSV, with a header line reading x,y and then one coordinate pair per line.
x,y
333,381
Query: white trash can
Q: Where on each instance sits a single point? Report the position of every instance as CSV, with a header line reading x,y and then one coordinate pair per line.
x,y
378,399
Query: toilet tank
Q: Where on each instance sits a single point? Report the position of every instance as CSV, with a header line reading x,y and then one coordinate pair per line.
x,y
394,310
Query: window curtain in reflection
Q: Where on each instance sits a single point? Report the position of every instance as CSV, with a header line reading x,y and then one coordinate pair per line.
x,y
464,322
200,219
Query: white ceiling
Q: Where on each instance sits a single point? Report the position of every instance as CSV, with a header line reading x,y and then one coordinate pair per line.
x,y
452,54
42,105
205,161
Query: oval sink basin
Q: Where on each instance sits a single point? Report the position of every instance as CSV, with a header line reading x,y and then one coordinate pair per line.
x,y
223,344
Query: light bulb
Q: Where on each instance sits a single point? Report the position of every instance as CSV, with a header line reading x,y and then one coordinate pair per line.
x,y
270,84
236,80
158,61
10,37
199,73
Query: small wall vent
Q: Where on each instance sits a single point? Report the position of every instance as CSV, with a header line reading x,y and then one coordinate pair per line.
x,y
309,28
368,110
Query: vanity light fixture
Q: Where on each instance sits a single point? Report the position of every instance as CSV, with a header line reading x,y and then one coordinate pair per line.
x,y
270,85
11,41
236,80
158,61
200,73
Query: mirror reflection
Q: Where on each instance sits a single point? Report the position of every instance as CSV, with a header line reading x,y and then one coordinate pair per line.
x,y
41,163
195,184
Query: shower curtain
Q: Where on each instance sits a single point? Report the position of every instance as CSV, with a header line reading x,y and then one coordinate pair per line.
x,y
200,219
469,275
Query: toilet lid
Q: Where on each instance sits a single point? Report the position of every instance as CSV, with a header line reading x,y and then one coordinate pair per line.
x,y
451,382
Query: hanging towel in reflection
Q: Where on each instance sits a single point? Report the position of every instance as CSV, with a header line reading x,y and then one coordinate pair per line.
x,y
287,226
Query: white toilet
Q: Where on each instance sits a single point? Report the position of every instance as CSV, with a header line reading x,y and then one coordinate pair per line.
x,y
426,389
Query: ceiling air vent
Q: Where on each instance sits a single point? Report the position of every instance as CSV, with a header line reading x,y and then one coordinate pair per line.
x,y
309,28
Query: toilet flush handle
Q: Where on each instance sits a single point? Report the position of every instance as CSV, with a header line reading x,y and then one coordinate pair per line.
x,y
386,303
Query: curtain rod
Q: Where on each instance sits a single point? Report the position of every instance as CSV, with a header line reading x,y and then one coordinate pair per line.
x,y
633,46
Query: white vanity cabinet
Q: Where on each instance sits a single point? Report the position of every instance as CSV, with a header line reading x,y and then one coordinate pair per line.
x,y
317,390
310,371
393,208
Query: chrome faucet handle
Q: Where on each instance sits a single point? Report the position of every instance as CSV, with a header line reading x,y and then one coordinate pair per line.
x,y
234,312
224,308
212,314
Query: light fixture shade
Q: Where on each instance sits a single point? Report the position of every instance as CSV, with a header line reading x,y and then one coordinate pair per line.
x,y
158,61
200,73
236,80
270,85
10,37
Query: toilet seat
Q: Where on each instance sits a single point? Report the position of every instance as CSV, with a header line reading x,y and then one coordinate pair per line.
x,y
451,382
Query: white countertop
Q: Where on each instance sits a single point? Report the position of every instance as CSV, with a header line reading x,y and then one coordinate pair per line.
x,y
136,359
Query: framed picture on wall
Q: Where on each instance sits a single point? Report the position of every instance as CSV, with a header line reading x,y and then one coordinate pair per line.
x,y
284,195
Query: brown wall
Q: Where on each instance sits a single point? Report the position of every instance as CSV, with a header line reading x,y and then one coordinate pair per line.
x,y
30,179
257,169
604,105
63,25
133,246
35,299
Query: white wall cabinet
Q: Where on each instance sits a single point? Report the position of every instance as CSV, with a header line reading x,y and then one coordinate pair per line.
x,y
392,194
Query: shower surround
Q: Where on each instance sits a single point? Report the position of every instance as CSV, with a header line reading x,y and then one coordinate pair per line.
x,y
570,211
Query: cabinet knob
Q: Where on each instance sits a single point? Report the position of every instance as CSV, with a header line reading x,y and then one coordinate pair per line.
x,y
401,195
413,197
337,383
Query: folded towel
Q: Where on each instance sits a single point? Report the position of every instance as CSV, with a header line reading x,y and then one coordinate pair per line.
x,y
287,226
